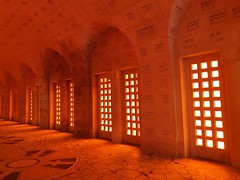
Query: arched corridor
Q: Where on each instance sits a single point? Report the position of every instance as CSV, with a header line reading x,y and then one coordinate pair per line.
x,y
162,76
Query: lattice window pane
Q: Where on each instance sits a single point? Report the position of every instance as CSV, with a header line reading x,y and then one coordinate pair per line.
x,y
105,104
58,104
132,104
71,103
207,104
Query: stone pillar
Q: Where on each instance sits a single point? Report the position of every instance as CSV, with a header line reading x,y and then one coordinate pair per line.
x,y
117,124
232,78
44,105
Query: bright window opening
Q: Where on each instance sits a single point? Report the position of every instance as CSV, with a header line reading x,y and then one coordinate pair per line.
x,y
132,104
208,123
220,145
71,103
220,134
209,143
199,132
199,142
198,123
194,66
204,75
58,104
30,104
196,103
105,104
207,104
209,133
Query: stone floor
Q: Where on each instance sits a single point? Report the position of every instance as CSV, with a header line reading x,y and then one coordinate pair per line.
x,y
29,153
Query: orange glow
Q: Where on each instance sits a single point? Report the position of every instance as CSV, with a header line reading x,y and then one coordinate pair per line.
x,y
206,93
131,98
71,103
105,104
199,142
209,143
220,145
209,133
58,104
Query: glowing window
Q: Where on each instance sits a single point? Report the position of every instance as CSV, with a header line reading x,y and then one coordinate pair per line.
x,y
220,134
205,84
198,123
220,145
196,103
218,114
30,103
207,113
207,104
195,85
216,93
204,75
132,102
217,103
208,123
199,132
198,113
194,66
209,143
209,133
58,104
199,142
71,103
205,94
204,65
216,83
219,124
105,104
196,94
214,63
195,75
215,73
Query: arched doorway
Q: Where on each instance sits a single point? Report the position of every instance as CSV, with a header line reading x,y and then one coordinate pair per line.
x,y
116,79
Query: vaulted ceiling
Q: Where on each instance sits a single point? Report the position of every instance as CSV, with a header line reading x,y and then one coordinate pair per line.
x,y
29,27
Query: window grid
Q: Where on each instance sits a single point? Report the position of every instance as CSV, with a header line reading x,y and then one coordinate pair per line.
x,y
58,104
105,104
132,104
30,104
71,103
207,104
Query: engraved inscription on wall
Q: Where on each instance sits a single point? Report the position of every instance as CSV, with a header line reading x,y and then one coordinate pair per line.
x,y
146,69
192,25
143,52
163,83
147,31
164,99
236,12
216,36
164,116
148,116
159,48
163,66
189,43
218,18
207,5
147,98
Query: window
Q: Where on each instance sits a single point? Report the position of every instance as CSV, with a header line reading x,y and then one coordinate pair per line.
x,y
71,104
207,104
132,104
105,94
58,104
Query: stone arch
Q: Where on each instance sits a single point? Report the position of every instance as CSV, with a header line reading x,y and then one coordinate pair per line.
x,y
55,66
205,27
